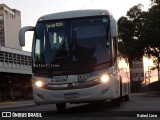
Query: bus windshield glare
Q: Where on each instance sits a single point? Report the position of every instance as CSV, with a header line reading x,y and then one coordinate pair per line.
x,y
71,44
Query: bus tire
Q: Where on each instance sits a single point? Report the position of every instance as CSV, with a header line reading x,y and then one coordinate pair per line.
x,y
116,102
36,103
126,98
61,107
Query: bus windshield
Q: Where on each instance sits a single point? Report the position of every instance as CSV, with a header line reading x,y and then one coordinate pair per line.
x,y
72,44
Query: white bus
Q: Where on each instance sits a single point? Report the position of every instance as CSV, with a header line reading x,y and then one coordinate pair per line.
x,y
75,59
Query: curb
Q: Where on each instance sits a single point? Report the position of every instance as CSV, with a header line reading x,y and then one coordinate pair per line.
x,y
7,103
15,104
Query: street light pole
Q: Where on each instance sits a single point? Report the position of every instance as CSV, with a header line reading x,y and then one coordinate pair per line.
x,y
149,74
149,71
146,88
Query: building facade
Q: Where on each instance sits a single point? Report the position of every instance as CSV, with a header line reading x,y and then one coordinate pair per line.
x,y
10,24
15,64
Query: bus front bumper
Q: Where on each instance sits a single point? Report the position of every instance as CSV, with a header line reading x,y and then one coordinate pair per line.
x,y
95,93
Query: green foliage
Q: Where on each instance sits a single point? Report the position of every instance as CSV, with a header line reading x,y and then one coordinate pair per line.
x,y
140,32
155,2
130,28
130,32
151,33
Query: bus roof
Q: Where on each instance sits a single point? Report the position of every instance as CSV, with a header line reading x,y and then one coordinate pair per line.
x,y
75,14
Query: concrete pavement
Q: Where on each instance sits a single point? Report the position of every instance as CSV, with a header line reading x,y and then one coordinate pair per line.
x,y
19,103
22,103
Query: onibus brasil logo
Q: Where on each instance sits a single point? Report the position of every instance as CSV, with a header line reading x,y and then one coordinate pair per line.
x,y
24,114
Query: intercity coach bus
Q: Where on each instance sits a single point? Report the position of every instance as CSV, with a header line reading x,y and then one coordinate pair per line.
x,y
75,59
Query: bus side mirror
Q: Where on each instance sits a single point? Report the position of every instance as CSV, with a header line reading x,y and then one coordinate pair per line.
x,y
113,28
22,34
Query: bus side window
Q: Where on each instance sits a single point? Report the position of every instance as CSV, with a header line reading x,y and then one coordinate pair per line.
x,y
116,46
114,49
37,50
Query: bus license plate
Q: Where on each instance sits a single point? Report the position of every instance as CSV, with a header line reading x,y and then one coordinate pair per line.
x,y
71,95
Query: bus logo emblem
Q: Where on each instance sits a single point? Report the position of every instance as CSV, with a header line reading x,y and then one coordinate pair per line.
x,y
83,77
74,59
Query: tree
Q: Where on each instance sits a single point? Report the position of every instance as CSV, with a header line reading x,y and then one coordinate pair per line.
x,y
130,28
140,33
151,34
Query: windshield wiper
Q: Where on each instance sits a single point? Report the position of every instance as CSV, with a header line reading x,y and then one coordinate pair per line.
x,y
74,37
61,57
107,35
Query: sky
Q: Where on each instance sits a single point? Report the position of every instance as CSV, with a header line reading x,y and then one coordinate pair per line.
x,y
31,10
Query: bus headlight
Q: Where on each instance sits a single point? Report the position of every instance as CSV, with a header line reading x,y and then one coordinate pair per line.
x,y
39,83
105,78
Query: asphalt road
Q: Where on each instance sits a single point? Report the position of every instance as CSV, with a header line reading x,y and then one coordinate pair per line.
x,y
140,104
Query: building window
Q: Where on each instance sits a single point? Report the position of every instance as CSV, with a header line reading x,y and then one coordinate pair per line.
x,y
2,40
1,17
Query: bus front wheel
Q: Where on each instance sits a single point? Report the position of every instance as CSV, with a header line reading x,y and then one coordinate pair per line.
x,y
116,102
61,107
126,98
36,103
